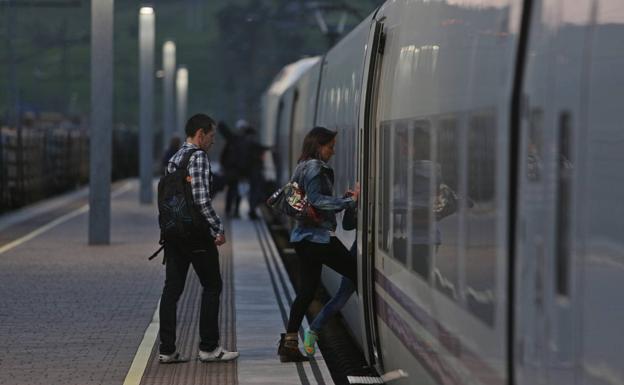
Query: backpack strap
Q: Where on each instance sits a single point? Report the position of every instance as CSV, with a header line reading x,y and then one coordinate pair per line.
x,y
185,162
187,158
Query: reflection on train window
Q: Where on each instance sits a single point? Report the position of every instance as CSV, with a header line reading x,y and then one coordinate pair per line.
x,y
564,204
445,269
400,152
344,161
481,157
385,168
423,236
481,219
339,162
535,145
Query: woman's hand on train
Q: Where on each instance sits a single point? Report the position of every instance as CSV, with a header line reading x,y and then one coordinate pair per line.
x,y
355,193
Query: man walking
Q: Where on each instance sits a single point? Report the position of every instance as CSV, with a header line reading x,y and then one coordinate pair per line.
x,y
200,251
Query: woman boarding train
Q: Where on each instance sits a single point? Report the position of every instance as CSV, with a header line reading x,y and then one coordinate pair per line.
x,y
316,244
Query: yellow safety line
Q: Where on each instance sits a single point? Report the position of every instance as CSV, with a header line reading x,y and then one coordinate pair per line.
x,y
137,369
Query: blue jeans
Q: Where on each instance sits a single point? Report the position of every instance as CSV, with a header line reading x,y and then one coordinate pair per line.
x,y
334,305
312,257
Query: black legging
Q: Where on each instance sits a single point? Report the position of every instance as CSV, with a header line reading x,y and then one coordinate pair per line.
x,y
312,257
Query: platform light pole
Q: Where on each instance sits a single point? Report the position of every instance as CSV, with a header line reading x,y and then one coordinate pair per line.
x,y
182,96
101,121
146,102
332,32
169,69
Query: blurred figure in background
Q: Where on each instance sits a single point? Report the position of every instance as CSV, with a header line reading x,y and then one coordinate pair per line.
x,y
253,169
231,165
174,146
241,161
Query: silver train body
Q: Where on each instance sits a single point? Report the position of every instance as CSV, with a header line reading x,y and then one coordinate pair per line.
x,y
516,106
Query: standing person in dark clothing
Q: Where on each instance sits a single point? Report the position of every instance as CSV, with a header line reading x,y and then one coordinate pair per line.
x,y
253,170
314,243
174,146
230,162
200,251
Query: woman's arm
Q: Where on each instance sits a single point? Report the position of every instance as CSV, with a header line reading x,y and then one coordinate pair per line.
x,y
312,190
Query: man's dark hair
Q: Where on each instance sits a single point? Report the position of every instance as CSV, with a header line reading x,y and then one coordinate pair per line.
x,y
197,121
317,137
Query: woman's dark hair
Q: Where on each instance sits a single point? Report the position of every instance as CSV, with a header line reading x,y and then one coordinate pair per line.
x,y
317,137
197,121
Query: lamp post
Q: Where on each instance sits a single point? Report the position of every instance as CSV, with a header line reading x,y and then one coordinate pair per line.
x,y
182,95
332,32
169,69
146,102
101,121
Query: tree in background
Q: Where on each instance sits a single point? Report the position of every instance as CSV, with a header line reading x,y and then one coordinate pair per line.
x,y
233,49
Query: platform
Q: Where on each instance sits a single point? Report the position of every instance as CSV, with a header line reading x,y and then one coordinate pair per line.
x,y
77,314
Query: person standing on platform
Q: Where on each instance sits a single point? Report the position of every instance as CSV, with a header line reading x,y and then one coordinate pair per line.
x,y
201,252
314,243
174,146
253,169
231,159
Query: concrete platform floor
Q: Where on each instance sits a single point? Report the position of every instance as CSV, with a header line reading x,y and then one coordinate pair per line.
x,y
77,314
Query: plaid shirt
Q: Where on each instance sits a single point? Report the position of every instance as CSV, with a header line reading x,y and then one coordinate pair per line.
x,y
199,170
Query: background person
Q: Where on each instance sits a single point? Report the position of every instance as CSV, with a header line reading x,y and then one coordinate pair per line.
x,y
174,146
231,165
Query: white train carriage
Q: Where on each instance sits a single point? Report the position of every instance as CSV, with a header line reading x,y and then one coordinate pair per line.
x,y
515,105
288,107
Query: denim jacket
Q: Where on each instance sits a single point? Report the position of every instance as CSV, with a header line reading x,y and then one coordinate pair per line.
x,y
317,180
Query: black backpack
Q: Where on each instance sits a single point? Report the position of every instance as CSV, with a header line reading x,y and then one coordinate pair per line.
x,y
178,217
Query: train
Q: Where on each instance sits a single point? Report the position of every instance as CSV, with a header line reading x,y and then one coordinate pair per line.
x,y
507,116
44,158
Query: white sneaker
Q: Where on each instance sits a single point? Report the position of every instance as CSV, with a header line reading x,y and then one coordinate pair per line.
x,y
171,358
219,354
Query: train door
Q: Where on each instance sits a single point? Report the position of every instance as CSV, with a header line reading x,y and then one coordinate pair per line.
x,y
548,246
367,175
600,304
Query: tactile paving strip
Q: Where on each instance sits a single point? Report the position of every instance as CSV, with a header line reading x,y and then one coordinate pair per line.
x,y
196,372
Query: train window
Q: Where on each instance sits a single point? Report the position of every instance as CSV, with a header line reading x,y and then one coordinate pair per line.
x,y
423,172
445,269
564,203
337,162
344,160
535,145
350,137
400,150
385,168
481,218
